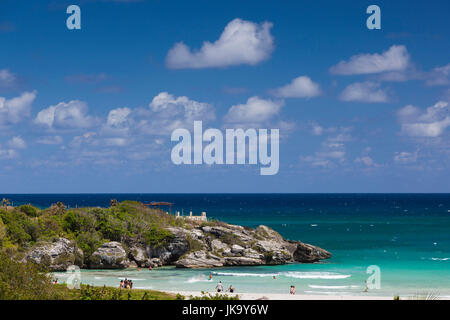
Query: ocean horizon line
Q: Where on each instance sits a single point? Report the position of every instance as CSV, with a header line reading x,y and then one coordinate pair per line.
x,y
228,193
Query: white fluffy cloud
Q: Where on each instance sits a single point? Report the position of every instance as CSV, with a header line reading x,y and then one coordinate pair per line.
x,y
16,109
364,92
300,87
71,115
242,42
255,111
431,123
167,112
128,128
118,122
395,59
118,117
17,143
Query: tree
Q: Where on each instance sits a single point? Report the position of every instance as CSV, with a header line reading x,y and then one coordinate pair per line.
x,y
58,208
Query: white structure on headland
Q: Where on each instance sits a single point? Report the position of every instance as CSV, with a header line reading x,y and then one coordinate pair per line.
x,y
192,217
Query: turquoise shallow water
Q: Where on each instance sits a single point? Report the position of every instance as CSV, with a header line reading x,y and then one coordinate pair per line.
x,y
406,235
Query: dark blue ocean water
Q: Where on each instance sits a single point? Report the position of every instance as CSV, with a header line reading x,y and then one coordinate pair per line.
x,y
406,235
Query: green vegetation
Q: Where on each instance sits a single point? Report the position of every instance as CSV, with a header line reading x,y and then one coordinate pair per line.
x,y
25,281
217,296
230,239
87,292
29,210
28,281
157,236
128,222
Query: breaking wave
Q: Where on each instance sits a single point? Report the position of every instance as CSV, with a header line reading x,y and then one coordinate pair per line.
x,y
332,287
196,279
316,275
292,274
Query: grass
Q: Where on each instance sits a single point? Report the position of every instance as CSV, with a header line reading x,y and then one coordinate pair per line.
x,y
88,292
217,296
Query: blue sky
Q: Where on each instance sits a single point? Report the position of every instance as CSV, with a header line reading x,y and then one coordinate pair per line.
x,y
92,110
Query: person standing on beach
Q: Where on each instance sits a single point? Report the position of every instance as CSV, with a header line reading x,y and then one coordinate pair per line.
x,y
210,276
292,290
121,284
219,287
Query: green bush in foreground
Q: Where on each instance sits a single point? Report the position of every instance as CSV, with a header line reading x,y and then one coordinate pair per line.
x,y
28,281
88,292
29,210
25,281
217,296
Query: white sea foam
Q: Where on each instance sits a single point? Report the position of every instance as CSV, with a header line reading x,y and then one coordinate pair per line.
x,y
440,259
292,274
330,292
134,279
243,274
196,279
316,275
331,287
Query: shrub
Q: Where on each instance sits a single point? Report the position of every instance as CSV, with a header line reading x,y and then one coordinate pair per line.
x,y
24,281
89,242
88,292
30,210
194,245
217,296
157,236
77,221
2,231
50,227
15,222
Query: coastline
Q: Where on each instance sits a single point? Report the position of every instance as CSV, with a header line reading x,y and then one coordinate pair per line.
x,y
278,296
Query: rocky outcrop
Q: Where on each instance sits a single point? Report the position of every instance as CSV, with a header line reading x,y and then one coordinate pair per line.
x,y
110,255
230,245
56,255
308,253
194,246
172,250
200,259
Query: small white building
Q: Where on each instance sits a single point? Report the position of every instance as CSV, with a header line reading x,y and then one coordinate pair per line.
x,y
202,217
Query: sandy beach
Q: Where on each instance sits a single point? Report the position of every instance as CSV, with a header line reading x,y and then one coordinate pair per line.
x,y
280,296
